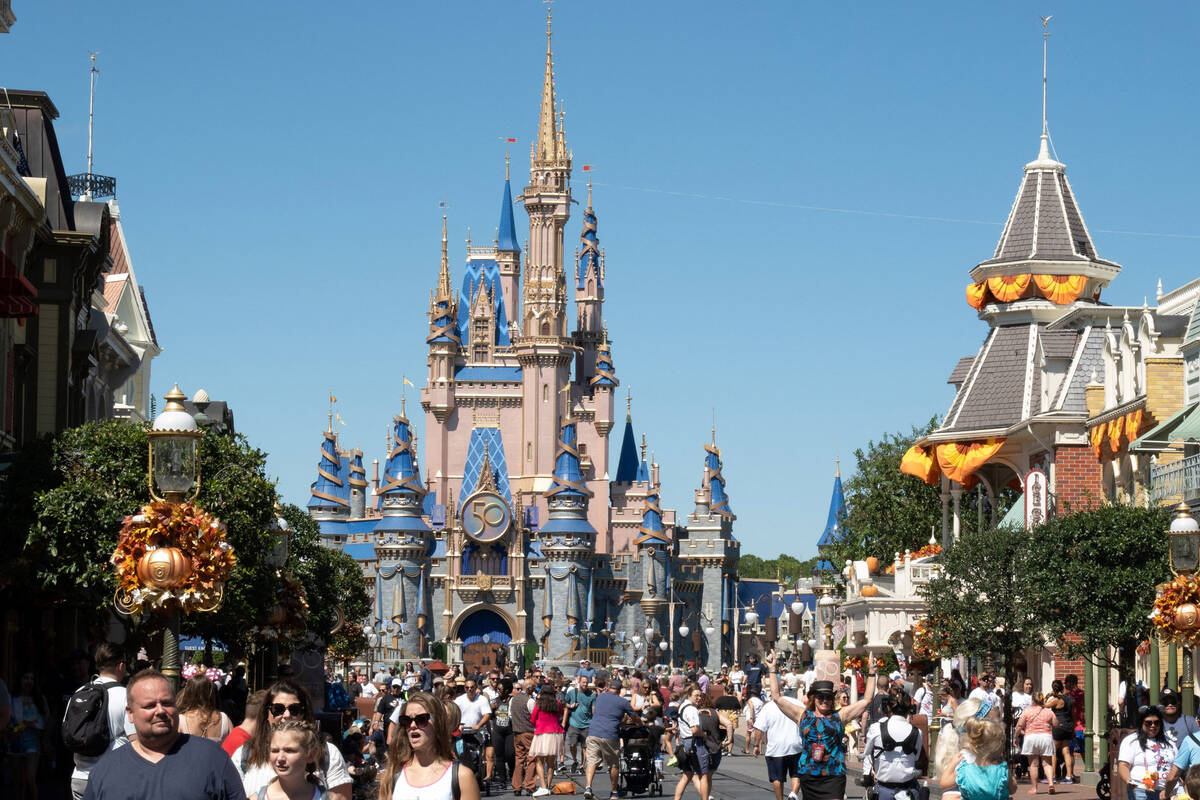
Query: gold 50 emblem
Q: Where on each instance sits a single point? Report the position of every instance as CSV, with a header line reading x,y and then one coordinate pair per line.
x,y
486,517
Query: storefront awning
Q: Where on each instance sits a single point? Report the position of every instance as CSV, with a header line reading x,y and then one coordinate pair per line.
x,y
1184,424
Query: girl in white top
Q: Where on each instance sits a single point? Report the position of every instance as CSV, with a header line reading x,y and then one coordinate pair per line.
x,y
198,712
295,749
420,764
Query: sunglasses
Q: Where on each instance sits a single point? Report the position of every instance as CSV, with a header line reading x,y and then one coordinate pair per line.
x,y
824,697
422,720
277,709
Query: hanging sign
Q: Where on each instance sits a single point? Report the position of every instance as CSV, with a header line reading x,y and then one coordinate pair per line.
x,y
1036,496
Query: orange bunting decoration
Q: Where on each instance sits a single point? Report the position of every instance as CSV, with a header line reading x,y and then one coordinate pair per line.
x,y
1060,289
1133,424
959,460
1116,432
1007,288
920,463
977,295
1097,436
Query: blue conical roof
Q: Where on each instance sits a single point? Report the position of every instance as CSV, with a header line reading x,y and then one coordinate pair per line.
x,y
401,474
719,503
605,372
507,240
627,463
589,247
330,489
835,524
652,527
568,475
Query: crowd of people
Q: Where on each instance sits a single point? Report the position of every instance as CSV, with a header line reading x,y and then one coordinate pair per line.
x,y
416,733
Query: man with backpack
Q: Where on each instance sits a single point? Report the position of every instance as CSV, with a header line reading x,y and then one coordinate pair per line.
x,y
94,721
893,751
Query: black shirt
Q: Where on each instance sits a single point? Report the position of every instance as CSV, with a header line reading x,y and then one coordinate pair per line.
x,y
754,674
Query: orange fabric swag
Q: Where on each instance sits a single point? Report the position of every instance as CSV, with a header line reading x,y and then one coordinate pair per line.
x,y
1097,436
977,295
959,459
1008,288
920,463
1060,289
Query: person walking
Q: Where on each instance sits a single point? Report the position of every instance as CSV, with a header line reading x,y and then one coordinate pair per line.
x,y
112,669
603,743
421,763
690,751
893,750
1145,757
823,758
1036,724
1063,706
198,712
30,715
782,749
524,771
474,719
161,762
547,744
580,700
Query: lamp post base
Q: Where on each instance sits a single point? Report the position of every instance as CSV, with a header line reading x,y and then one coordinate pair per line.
x,y
170,652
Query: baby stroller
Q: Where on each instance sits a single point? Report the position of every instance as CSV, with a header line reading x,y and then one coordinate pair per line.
x,y
469,747
640,772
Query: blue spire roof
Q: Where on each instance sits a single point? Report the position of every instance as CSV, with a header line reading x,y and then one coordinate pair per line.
x,y
835,525
627,464
589,246
716,482
605,372
507,240
643,470
568,476
401,474
652,527
330,488
358,473
483,270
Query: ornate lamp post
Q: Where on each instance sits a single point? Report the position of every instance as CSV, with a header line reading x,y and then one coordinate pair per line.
x,y
1184,539
172,557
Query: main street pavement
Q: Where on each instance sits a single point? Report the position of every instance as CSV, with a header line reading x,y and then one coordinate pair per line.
x,y
741,777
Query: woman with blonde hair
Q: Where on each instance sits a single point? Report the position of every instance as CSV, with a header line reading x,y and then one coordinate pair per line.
x,y
420,762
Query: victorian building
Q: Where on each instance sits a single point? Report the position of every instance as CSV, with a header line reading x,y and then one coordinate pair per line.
x,y
521,537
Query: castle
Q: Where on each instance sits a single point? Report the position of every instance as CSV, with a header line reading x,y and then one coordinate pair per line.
x,y
522,541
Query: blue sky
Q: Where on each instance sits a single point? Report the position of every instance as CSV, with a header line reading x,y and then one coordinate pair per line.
x,y
280,165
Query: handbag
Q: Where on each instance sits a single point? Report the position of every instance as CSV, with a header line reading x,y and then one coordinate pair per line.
x,y
563,787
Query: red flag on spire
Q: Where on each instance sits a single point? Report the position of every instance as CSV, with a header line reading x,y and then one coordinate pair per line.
x,y
587,167
511,139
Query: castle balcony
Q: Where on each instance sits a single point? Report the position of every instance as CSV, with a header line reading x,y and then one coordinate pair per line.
x,y
489,588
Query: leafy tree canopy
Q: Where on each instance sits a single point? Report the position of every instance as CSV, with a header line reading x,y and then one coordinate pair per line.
x,y
783,567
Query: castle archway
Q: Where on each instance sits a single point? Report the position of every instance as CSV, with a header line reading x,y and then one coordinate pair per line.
x,y
485,632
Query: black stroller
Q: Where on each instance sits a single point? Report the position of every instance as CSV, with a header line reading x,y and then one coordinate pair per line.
x,y
639,772
470,753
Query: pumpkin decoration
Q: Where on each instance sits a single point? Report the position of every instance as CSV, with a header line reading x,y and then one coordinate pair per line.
x,y
872,564
870,590
1176,613
1187,617
164,567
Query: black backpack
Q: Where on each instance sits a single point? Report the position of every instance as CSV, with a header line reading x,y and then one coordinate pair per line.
x,y
908,747
85,722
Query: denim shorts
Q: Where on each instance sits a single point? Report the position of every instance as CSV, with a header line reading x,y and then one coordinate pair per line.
x,y
1138,793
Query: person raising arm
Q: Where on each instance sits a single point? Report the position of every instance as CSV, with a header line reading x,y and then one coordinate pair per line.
x,y
795,710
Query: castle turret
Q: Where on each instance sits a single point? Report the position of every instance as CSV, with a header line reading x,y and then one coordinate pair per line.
x,y
404,543
589,296
568,541
604,384
508,252
358,485
835,528
329,493
443,341
627,462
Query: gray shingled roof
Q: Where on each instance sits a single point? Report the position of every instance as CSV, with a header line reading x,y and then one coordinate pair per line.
x,y
1045,223
1091,360
1172,325
993,395
1059,344
960,370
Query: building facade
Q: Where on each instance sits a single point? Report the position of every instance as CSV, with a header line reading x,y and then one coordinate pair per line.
x,y
521,538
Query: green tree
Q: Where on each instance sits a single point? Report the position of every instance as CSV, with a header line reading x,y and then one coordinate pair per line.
x,y
1092,578
783,567
888,512
334,583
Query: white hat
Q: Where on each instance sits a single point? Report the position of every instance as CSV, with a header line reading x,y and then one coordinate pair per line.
x,y
896,675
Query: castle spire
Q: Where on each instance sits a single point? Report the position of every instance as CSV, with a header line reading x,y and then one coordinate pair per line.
x,y
444,270
719,500
547,141
443,308
627,463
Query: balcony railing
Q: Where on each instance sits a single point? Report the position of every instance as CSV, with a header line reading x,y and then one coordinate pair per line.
x,y
1177,480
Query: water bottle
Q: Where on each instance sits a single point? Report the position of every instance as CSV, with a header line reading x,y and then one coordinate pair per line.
x,y
659,764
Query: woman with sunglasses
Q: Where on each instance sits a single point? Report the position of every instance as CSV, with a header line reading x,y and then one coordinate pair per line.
x,y
822,765
421,764
1145,758
287,699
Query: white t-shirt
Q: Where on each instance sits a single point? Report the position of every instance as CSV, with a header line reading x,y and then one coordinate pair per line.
x,y
1020,702
491,694
1156,758
736,679
981,694
689,717
255,778
472,710
891,766
119,728
756,703
369,689
783,735
923,700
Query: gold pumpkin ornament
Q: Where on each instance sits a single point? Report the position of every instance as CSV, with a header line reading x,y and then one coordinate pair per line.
x,y
164,567
1187,617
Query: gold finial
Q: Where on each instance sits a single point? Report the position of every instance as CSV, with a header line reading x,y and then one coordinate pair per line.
x,y
714,426
589,203
174,400
628,404
507,160
837,467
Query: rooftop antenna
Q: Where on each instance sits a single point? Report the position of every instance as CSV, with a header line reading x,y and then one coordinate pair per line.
x,y
91,185
92,105
1045,37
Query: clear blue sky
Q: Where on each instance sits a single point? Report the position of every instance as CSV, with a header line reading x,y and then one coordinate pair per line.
x,y
280,167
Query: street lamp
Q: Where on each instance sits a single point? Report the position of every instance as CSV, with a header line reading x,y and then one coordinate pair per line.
x,y
174,463
1184,536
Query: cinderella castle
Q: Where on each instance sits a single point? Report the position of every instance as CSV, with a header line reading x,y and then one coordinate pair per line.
x,y
521,540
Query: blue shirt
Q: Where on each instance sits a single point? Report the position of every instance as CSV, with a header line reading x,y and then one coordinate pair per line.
x,y
581,715
607,712
828,731
1189,753
194,769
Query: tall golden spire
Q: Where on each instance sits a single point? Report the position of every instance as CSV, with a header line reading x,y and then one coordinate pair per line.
x,y
548,135
444,289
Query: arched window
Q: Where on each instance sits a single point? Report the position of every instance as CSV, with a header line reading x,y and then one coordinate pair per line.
x,y
545,393
545,329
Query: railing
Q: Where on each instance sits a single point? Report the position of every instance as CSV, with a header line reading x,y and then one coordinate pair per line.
x,y
1179,479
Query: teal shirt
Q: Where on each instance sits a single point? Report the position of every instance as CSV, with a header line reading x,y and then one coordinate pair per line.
x,y
581,715
982,783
